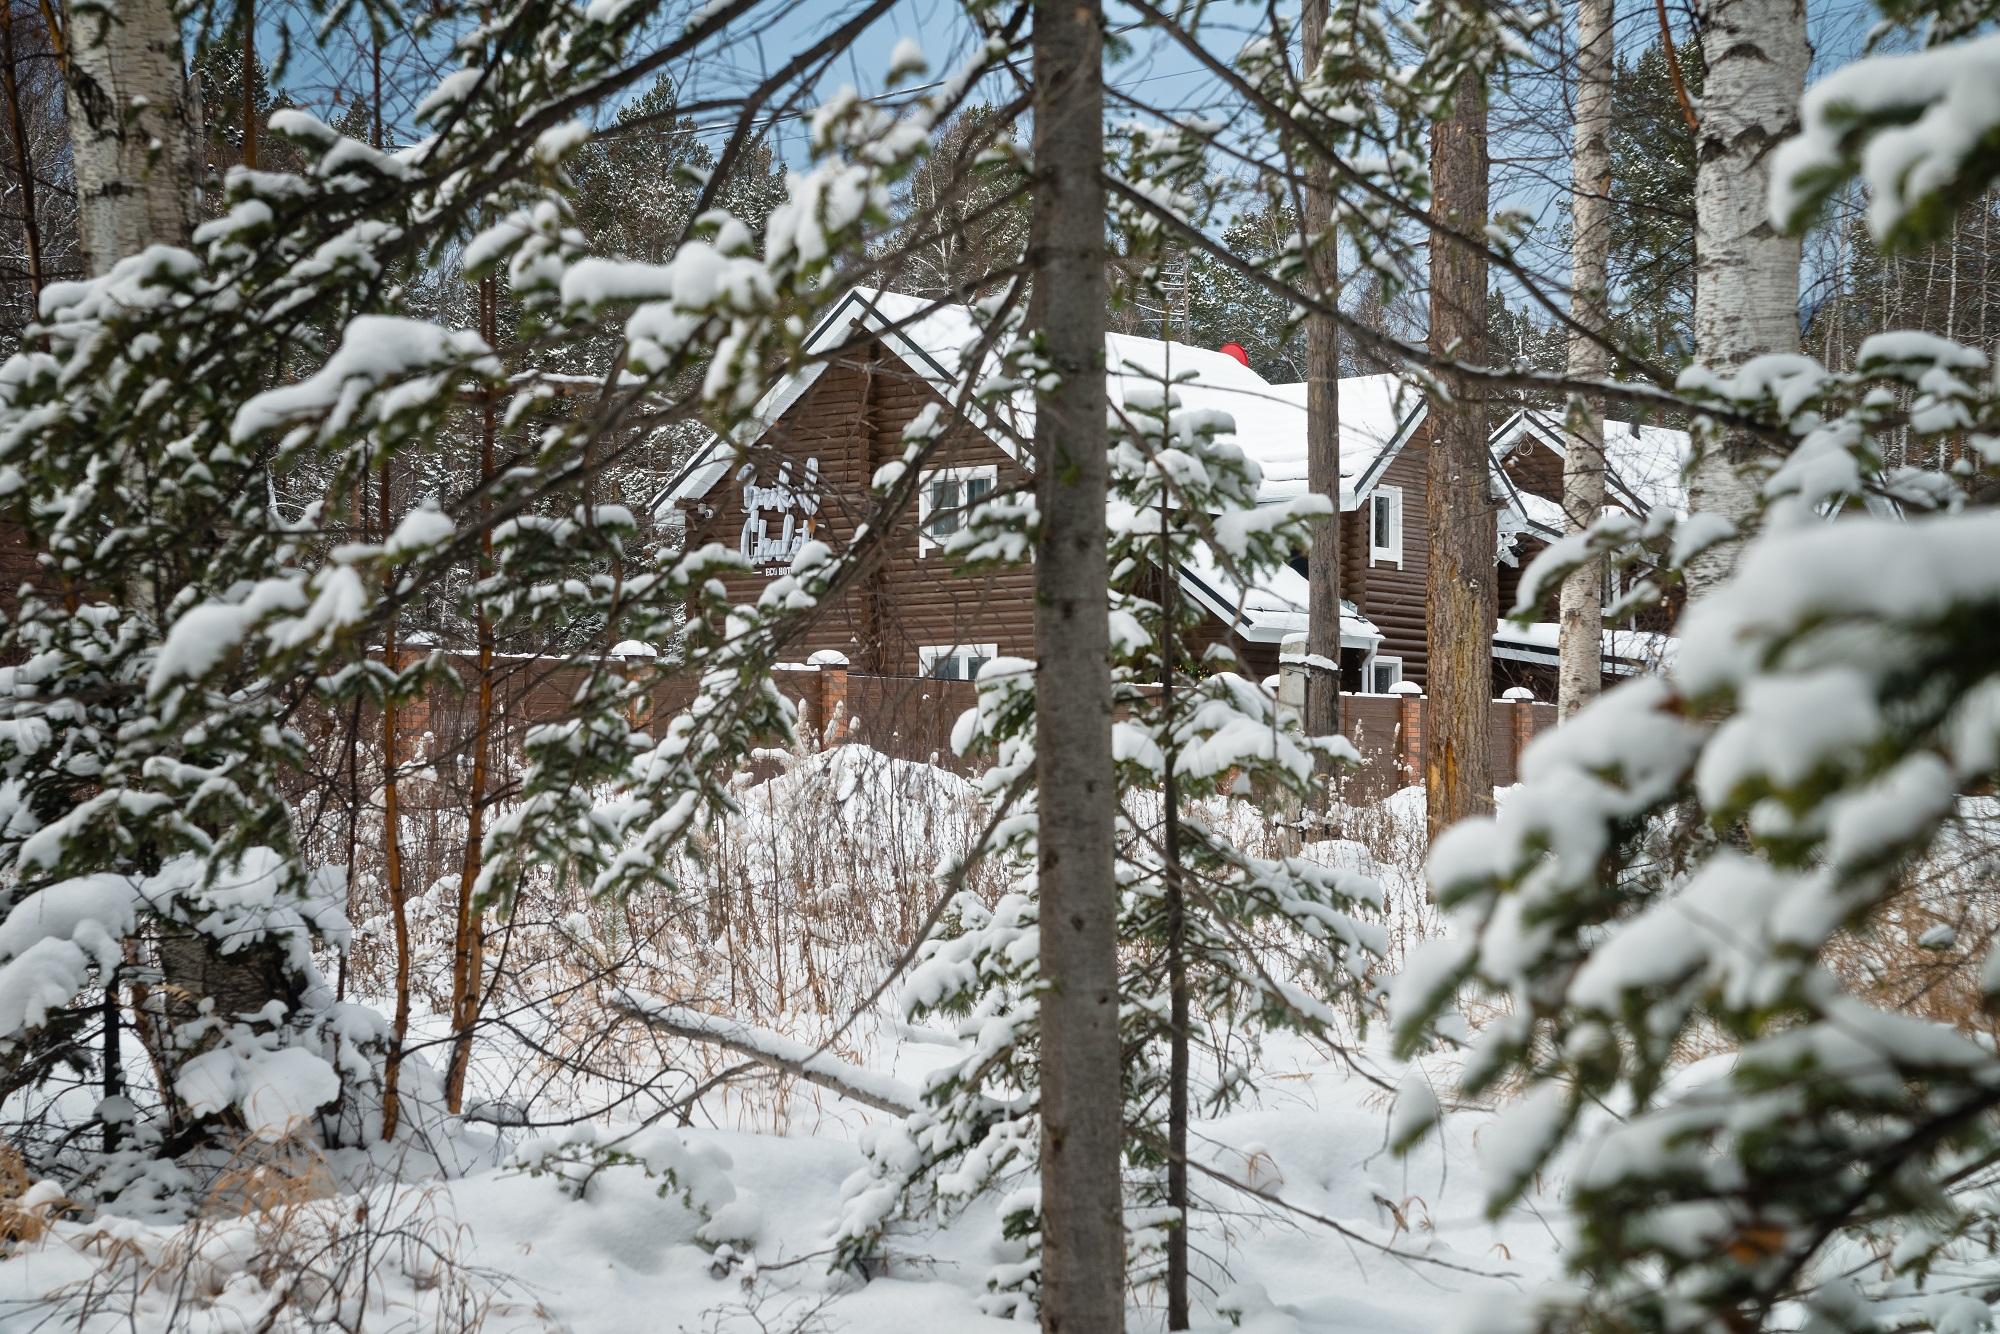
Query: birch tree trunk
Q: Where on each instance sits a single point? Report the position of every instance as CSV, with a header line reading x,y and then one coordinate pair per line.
x,y
1746,270
1083,1241
1460,595
1322,713
129,129
1580,636
132,141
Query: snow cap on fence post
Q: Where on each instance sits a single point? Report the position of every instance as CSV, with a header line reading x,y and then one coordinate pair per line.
x,y
829,710
632,655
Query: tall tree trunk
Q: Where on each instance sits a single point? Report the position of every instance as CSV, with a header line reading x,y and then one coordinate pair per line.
x,y
392,847
1178,1064
469,939
24,163
1746,270
1322,428
1083,1236
1460,596
132,145
129,130
250,84
1580,669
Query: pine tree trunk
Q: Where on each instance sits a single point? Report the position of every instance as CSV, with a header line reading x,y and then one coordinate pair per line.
x,y
24,163
1322,714
1746,270
129,130
1083,1241
1580,636
468,956
1178,1019
1460,595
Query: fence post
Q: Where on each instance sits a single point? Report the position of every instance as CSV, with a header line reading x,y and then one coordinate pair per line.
x,y
1292,675
830,696
1409,730
1522,702
413,716
632,656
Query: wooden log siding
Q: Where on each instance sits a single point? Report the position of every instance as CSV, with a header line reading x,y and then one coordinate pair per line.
x,y
852,421
1393,596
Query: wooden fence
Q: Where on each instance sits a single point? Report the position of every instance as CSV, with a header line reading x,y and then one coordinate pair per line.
x,y
912,718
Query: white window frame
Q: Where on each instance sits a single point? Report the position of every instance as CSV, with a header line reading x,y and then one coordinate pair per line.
x,y
989,473
1380,552
1378,661
930,655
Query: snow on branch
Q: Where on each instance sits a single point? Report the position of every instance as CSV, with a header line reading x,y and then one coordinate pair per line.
x,y
867,1087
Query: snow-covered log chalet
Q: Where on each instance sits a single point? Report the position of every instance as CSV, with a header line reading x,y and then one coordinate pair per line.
x,y
883,358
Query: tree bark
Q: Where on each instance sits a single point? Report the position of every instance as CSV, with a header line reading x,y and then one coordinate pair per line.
x,y
1460,593
132,144
468,958
1580,636
1322,713
1179,1031
250,84
24,163
129,130
1083,1238
1746,270
392,846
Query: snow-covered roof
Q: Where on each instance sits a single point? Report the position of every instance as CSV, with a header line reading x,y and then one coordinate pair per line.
x,y
1376,413
1645,466
939,341
1271,610
1626,652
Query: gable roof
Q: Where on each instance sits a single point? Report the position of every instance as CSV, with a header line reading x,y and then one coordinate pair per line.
x,y
937,341
1644,466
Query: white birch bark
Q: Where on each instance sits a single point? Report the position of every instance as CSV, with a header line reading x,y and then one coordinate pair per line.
x,y
129,129
1579,671
1746,270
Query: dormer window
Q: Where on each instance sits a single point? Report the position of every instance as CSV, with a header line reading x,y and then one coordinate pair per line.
x,y
1385,526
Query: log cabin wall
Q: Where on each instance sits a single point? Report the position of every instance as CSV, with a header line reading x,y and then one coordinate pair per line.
x,y
1393,595
849,423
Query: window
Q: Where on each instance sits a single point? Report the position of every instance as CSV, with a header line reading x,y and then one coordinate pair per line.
x,y
944,500
1383,674
955,662
1385,525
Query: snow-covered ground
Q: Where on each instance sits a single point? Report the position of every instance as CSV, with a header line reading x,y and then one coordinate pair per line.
x,y
598,1228
589,1220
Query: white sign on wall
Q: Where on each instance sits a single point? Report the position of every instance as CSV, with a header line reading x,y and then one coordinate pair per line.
x,y
777,519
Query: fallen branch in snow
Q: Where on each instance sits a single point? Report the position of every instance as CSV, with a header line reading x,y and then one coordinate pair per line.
x,y
882,1092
